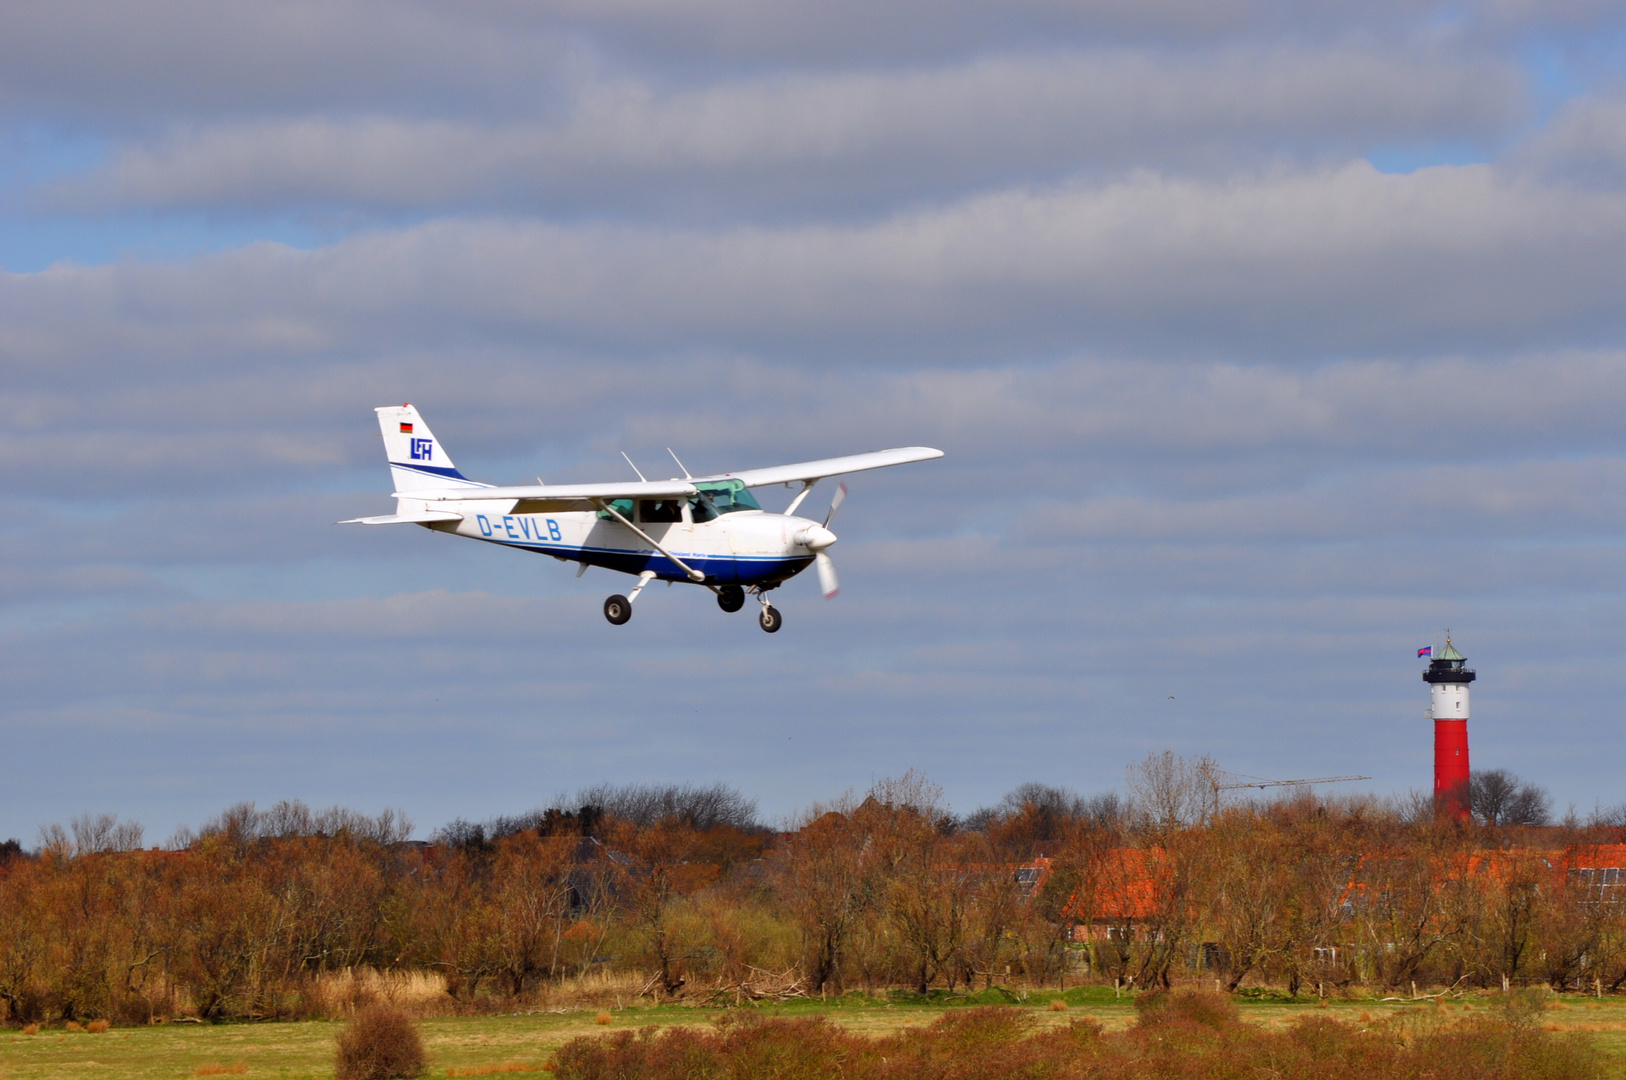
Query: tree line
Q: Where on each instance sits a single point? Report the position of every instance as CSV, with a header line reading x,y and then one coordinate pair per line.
x,y
683,894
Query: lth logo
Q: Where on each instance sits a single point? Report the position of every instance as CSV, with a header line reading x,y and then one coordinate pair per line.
x,y
423,449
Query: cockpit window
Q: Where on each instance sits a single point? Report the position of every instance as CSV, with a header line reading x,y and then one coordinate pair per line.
x,y
724,497
622,507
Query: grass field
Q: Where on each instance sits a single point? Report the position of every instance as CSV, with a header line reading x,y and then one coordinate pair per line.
x,y
516,1045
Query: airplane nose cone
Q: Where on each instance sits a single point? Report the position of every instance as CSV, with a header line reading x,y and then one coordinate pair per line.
x,y
816,538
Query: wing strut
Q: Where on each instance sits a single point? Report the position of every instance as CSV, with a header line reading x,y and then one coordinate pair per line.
x,y
694,575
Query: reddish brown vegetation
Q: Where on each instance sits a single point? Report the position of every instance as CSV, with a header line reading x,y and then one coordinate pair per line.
x,y
887,892
1184,1035
381,1043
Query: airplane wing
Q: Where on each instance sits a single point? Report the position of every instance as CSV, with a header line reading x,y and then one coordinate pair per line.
x,y
632,489
836,466
556,498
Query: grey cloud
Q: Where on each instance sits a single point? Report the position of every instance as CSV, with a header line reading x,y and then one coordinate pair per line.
x,y
1187,428
1584,144
1200,416
803,142
801,31
84,59
1552,499
1347,260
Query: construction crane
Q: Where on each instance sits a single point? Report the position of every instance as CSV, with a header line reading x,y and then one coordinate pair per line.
x,y
1243,780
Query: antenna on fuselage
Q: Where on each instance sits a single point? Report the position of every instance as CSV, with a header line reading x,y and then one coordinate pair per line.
x,y
634,467
682,466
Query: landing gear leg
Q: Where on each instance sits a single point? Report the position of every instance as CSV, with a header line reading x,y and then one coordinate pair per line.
x,y
731,598
643,579
618,609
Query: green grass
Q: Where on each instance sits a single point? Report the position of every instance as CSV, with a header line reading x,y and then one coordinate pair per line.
x,y
301,1051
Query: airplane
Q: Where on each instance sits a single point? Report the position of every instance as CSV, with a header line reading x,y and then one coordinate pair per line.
x,y
703,530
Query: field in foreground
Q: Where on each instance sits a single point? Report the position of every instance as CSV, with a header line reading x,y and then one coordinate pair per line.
x,y
521,1044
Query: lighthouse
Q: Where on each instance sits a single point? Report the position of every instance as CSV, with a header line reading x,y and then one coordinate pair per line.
x,y
1448,677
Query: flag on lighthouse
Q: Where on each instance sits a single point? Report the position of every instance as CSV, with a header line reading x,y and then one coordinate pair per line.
x,y
1426,650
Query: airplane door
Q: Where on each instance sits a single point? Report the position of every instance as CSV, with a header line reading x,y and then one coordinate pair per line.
x,y
666,521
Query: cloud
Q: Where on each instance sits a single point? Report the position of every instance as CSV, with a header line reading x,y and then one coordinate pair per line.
x,y
1233,419
1568,500
1584,144
81,60
804,142
1343,260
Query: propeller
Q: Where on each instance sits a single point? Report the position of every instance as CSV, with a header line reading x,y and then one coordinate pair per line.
x,y
827,569
835,503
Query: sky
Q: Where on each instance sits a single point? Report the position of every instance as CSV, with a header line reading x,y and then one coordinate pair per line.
x,y
1264,341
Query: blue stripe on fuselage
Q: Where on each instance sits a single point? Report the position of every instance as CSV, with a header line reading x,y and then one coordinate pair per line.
x,y
719,570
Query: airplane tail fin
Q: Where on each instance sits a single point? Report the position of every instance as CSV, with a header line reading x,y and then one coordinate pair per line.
x,y
417,461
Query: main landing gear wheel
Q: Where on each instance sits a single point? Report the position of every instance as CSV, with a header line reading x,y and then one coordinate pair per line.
x,y
618,609
731,598
770,619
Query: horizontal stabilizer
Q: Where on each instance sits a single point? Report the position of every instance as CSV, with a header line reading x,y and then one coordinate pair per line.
x,y
421,517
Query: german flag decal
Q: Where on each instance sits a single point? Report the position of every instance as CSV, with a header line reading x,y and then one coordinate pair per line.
x,y
406,429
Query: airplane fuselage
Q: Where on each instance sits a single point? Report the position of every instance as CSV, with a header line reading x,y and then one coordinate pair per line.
x,y
747,547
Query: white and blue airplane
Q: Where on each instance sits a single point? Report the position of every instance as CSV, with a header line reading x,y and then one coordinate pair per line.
x,y
707,530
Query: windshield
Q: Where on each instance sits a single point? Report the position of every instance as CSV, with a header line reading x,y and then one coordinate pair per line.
x,y
722,497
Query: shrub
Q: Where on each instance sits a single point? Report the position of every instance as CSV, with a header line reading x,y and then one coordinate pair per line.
x,y
96,1027
381,1043
603,1018
31,1029
1196,1006
1190,1037
73,1025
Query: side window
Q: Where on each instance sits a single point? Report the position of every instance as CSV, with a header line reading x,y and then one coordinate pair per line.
x,y
700,510
622,507
659,511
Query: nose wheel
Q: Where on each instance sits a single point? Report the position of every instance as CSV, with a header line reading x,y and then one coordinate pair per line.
x,y
770,618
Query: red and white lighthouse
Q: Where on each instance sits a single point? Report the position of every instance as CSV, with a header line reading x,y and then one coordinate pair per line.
x,y
1448,677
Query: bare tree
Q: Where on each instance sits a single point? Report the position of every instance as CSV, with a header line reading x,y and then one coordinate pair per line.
x,y
1497,797
90,834
289,819
698,807
1167,791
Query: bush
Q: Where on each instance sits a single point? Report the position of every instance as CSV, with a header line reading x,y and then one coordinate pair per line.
x,y
1179,1037
381,1043
1197,1006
